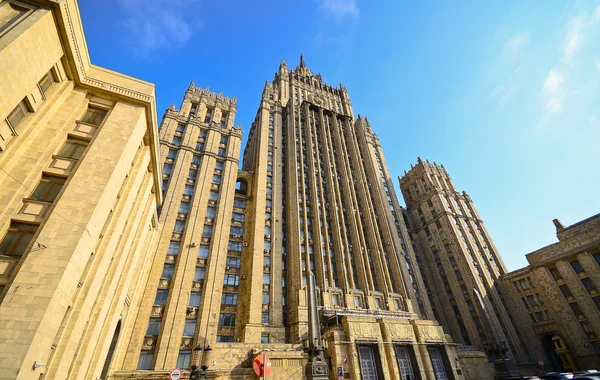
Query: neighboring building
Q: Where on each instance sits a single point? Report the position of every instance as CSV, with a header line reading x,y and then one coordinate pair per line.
x,y
79,168
238,246
460,261
557,297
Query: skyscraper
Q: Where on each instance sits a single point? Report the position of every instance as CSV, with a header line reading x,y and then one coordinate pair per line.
x,y
237,248
462,263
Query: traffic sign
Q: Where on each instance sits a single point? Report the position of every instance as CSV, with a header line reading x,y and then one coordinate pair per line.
x,y
262,361
175,374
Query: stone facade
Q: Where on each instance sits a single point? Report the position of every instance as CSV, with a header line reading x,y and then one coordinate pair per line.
x,y
236,246
460,264
557,299
111,268
79,167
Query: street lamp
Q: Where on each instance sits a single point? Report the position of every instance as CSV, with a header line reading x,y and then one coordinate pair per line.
x,y
199,371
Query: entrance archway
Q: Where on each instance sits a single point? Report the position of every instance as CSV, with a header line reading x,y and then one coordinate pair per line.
x,y
558,353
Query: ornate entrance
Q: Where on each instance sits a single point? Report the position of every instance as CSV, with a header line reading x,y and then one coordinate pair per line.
x,y
404,364
438,363
368,365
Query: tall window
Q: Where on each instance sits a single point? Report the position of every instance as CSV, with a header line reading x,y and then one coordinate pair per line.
x,y
153,327
227,320
229,299
207,230
194,299
48,188
231,279
18,113
203,251
199,274
183,360
73,148
94,115
174,247
17,239
161,297
145,362
46,81
190,327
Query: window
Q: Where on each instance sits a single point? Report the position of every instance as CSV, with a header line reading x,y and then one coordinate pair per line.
x,y
95,115
199,146
335,300
203,133
207,230
184,207
183,360
588,284
188,190
224,139
211,212
377,303
219,165
176,140
235,246
145,361
73,148
179,226
194,299
555,274
357,301
397,304
196,160
235,230
224,338
203,251
172,154
565,291
264,338
442,235
18,113
199,274
229,299
208,115
193,174
216,179
238,217
168,270
223,119
17,239
265,318
227,320
596,301
575,308
161,297
231,279
48,189
167,168
213,196
193,109
153,327
46,81
233,262
266,298
174,247
266,278
190,327
180,128
576,265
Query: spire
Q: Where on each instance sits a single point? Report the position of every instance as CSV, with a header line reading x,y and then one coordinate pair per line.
x,y
302,64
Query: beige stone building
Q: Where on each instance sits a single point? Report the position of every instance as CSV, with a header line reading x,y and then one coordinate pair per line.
x,y
79,175
461,265
237,247
557,297
113,268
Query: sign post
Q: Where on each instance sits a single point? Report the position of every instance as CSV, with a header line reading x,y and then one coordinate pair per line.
x,y
175,374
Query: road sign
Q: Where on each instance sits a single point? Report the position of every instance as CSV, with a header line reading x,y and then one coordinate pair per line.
x,y
257,365
340,371
175,374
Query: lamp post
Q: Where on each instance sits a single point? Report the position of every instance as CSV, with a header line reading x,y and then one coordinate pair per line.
x,y
317,369
200,366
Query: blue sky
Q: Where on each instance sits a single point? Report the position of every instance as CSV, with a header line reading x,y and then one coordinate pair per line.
x,y
504,94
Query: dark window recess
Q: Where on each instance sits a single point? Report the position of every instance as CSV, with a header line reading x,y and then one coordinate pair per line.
x,y
48,188
17,239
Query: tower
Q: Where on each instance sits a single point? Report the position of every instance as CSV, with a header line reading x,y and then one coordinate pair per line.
x,y
238,247
463,265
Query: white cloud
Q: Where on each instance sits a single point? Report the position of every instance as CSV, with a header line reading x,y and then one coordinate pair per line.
x,y
340,8
573,36
515,45
553,91
156,24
